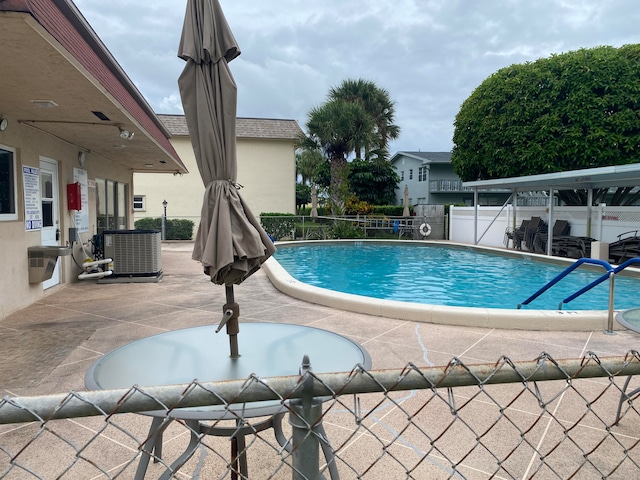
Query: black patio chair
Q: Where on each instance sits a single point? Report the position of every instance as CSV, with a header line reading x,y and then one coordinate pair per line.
x,y
572,247
625,247
511,234
561,228
521,236
535,226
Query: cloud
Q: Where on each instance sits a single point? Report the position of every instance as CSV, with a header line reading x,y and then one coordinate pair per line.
x,y
429,54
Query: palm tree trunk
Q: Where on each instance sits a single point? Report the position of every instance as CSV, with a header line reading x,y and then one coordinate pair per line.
x,y
339,185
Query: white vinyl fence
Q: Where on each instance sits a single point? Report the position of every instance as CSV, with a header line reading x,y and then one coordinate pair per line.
x,y
607,222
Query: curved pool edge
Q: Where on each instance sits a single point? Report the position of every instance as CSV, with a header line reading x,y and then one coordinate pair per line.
x,y
553,320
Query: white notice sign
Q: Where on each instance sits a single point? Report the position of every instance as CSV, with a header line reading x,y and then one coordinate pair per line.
x,y
32,206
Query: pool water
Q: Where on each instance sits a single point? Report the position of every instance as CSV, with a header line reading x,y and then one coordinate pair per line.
x,y
448,276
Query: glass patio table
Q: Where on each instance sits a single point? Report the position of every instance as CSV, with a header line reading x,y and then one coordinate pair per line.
x,y
180,356
630,319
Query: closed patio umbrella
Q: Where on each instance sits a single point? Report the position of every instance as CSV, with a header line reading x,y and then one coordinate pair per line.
x,y
230,243
314,202
405,210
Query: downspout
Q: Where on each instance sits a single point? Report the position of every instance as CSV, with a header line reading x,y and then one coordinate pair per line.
x,y
550,220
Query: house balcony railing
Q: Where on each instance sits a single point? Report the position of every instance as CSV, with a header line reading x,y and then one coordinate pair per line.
x,y
437,186
446,186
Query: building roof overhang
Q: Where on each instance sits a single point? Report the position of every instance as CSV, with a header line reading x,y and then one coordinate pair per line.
x,y
50,54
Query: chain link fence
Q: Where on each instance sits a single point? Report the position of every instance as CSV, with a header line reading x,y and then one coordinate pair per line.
x,y
546,418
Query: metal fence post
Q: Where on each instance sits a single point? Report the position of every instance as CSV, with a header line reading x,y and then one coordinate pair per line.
x,y
305,413
609,330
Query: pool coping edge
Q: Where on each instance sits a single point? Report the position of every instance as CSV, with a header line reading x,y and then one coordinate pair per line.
x,y
551,320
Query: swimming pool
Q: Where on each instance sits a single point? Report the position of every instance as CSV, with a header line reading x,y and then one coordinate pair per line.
x,y
455,283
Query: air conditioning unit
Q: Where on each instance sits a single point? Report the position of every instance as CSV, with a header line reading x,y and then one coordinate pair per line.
x,y
136,255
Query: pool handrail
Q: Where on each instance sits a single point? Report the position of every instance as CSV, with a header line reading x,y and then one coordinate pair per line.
x,y
567,271
601,279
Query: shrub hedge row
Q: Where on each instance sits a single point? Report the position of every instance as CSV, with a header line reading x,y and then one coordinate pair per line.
x,y
175,229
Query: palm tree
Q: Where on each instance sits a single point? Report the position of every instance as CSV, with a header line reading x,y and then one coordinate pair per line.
x,y
338,127
377,103
307,163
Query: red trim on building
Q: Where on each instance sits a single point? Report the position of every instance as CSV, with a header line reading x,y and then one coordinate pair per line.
x,y
65,23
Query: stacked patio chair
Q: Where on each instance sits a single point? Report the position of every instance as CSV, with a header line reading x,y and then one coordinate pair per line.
x,y
520,236
625,247
535,225
512,234
561,228
572,247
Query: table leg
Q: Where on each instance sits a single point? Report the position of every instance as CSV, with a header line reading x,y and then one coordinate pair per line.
x,y
153,446
194,441
239,455
624,396
279,434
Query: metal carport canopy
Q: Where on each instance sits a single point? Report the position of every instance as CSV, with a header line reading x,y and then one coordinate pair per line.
x,y
601,177
585,179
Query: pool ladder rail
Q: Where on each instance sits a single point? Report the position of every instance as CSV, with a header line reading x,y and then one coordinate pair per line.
x,y
611,273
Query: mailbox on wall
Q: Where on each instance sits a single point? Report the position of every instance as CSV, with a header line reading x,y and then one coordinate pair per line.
x,y
74,196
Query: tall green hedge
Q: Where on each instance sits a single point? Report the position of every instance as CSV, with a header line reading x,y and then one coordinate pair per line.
x,y
278,225
175,228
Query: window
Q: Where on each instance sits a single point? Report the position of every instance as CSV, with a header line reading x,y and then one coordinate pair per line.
x,y
402,175
111,208
422,174
411,174
46,197
8,190
139,203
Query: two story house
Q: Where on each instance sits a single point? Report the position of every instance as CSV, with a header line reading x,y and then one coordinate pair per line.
x,y
266,170
432,181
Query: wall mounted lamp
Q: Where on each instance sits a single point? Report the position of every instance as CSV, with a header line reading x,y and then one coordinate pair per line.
x,y
126,134
3,124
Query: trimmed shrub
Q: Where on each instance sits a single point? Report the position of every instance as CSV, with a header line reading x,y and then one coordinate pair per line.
x,y
175,229
278,225
390,210
355,206
148,224
179,229
346,230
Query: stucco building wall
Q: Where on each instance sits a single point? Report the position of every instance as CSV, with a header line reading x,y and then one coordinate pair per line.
x,y
30,145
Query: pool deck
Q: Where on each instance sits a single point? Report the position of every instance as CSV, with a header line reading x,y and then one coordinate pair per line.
x,y
48,346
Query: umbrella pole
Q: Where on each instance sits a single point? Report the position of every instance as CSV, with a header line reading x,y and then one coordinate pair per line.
x,y
230,314
233,326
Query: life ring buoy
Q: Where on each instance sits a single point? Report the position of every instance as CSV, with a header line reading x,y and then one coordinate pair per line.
x,y
425,229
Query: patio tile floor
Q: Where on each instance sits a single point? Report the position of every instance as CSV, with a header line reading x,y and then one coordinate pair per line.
x,y
47,347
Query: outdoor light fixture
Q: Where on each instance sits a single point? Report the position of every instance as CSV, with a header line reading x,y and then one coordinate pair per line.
x,y
126,134
3,124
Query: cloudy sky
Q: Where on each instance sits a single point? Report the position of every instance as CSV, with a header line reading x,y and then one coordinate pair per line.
x,y
428,54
